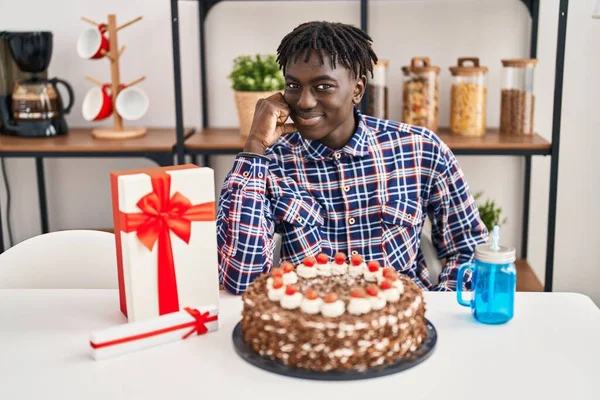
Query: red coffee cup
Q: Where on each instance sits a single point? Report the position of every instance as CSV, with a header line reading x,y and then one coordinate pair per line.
x,y
97,103
92,43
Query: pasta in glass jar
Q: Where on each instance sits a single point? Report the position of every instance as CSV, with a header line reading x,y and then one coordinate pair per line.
x,y
468,98
421,94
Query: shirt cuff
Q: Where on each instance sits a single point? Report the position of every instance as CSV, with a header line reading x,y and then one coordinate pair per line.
x,y
253,155
449,286
249,172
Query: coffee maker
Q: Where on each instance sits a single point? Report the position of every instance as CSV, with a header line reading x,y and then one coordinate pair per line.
x,y
30,103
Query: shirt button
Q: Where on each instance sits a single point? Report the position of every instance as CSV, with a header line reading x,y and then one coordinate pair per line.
x,y
351,221
346,188
354,252
260,175
337,155
246,174
299,219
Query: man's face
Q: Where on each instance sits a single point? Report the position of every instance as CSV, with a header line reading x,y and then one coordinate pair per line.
x,y
321,97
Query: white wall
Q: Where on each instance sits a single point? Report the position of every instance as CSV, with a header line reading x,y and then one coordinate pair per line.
x,y
577,250
78,190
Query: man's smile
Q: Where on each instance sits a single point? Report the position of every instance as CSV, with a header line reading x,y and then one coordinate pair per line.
x,y
306,119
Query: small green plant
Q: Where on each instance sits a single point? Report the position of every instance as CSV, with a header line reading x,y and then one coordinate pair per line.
x,y
489,212
260,73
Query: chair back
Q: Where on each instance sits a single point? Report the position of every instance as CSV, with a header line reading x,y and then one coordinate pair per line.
x,y
70,259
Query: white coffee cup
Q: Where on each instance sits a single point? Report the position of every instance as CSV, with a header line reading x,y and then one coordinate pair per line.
x,y
132,103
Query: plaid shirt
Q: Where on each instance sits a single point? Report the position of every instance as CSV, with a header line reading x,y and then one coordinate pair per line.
x,y
371,197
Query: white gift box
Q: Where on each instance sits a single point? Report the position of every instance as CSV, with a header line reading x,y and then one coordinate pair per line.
x,y
165,233
135,336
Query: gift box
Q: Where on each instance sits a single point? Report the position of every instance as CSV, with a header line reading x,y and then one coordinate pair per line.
x,y
165,233
134,336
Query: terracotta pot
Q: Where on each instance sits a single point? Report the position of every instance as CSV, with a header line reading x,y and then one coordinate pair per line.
x,y
246,103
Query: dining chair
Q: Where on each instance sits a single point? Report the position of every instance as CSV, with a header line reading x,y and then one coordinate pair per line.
x,y
69,259
434,264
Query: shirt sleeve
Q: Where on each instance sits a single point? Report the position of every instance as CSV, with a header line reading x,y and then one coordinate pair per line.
x,y
456,225
245,225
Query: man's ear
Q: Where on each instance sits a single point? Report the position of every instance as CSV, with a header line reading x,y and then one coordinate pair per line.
x,y
359,89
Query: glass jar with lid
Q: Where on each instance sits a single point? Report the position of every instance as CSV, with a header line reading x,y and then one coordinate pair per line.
x,y
468,98
518,101
378,91
420,93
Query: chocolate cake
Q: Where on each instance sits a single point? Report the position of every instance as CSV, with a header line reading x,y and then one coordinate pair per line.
x,y
325,316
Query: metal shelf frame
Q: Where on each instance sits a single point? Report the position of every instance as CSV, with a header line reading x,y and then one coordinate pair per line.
x,y
204,6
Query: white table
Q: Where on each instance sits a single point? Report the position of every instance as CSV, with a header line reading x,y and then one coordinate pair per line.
x,y
550,350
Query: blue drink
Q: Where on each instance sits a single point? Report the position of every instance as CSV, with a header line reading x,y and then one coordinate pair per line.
x,y
494,283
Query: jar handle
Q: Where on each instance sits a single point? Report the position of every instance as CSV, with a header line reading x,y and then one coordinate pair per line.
x,y
474,60
415,60
459,282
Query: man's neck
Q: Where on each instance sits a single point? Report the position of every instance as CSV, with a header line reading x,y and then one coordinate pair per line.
x,y
341,135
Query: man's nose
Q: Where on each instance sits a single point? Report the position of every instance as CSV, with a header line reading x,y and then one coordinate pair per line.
x,y
306,100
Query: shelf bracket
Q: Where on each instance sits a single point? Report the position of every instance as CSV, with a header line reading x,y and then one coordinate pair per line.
x,y
207,5
530,6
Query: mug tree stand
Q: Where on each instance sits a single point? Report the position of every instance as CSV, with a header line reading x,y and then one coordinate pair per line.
x,y
117,131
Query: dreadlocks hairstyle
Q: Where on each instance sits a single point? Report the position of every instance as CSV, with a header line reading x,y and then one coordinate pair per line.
x,y
346,44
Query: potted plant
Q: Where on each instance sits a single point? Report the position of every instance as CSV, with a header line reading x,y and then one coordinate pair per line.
x,y
253,78
489,212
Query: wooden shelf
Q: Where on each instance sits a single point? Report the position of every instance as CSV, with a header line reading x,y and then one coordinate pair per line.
x,y
216,139
80,140
228,140
493,140
526,279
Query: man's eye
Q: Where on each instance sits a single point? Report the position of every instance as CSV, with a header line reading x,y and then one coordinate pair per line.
x,y
323,86
292,86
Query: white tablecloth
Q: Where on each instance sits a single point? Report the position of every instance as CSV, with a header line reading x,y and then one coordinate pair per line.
x,y
550,350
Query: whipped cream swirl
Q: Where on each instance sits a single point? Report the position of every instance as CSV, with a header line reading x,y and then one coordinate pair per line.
x,y
324,269
311,306
377,302
358,306
290,278
398,285
332,310
356,270
276,294
339,269
373,276
391,295
290,302
306,272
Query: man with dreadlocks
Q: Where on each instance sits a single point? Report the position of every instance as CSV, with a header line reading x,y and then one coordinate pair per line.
x,y
337,180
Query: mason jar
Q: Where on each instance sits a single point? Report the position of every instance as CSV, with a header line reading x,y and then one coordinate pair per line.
x,y
468,98
517,105
420,93
378,91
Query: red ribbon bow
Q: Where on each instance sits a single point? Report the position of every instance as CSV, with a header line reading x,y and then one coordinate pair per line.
x,y
161,215
201,319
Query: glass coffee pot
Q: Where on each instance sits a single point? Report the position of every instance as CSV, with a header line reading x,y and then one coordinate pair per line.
x,y
39,99
35,97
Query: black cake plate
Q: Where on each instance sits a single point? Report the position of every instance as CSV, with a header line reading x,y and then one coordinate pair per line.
x,y
277,367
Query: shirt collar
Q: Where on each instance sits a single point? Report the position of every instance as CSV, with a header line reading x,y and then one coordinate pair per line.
x,y
357,146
